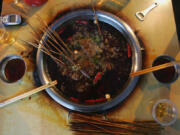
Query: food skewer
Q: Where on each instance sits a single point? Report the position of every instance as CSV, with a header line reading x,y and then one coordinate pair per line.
x,y
53,35
43,50
155,68
25,94
81,123
96,19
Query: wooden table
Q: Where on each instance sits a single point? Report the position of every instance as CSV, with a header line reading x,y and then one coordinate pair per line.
x,y
40,115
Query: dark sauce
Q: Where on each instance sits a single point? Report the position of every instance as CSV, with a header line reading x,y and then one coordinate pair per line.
x,y
112,81
14,70
166,75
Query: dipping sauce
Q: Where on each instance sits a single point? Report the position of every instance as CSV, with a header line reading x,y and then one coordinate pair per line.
x,y
165,75
14,70
164,112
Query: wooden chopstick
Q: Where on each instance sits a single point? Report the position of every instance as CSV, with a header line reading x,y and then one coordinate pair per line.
x,y
155,68
25,94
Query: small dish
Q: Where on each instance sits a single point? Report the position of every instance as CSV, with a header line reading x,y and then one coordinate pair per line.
x,y
164,112
12,68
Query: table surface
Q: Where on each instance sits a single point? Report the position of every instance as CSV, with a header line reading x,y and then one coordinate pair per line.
x,y
40,115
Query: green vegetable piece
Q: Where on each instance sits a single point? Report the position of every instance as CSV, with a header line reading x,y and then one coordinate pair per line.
x,y
96,60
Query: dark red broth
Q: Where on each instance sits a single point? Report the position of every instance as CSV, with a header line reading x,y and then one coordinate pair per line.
x,y
14,70
164,75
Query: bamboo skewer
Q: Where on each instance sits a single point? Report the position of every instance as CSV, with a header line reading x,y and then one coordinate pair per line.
x,y
53,35
61,52
96,19
60,39
48,53
98,120
25,94
155,68
93,124
68,58
43,50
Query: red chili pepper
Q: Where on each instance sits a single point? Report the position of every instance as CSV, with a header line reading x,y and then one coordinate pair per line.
x,y
61,30
90,101
100,99
97,77
129,50
74,99
69,38
82,21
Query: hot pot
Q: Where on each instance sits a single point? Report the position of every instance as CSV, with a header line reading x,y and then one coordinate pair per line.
x,y
119,25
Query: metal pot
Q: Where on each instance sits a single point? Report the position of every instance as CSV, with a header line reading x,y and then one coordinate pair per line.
x,y
128,33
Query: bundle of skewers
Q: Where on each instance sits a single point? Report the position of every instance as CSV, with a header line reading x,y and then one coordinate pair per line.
x,y
96,124
49,42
